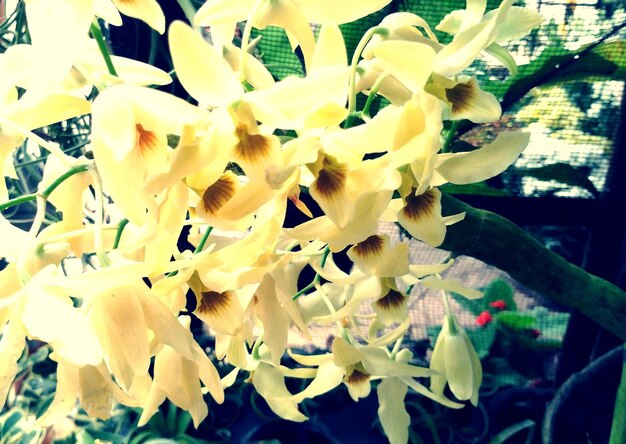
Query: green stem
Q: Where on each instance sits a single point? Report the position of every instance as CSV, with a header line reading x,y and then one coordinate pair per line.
x,y
120,230
198,249
373,93
189,10
245,40
316,279
498,242
376,30
18,200
202,242
255,348
618,430
45,193
450,136
154,46
96,32
69,173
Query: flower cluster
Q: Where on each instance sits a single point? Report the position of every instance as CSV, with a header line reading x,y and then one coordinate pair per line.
x,y
228,165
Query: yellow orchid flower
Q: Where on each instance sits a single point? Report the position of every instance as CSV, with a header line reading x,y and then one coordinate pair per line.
x,y
130,128
178,378
377,257
475,32
18,117
92,385
465,99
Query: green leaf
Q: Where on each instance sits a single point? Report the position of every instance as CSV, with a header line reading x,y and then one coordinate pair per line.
x,y
499,290
563,173
604,61
142,437
172,418
184,419
514,429
514,320
552,325
83,437
10,422
483,338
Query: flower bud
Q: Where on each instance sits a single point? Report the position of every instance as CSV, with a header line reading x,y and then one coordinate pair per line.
x,y
456,362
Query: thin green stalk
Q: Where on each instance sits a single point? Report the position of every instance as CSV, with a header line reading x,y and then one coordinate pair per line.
x,y
154,46
376,30
202,242
18,200
189,10
43,158
104,50
618,430
373,93
245,39
198,249
450,136
45,193
118,235
69,173
316,279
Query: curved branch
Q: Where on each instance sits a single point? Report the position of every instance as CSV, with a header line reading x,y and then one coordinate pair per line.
x,y
499,242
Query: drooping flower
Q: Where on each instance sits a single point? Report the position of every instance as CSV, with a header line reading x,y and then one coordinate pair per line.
x,y
456,363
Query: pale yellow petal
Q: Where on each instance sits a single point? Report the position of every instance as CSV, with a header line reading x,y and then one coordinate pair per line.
x,y
201,69
293,100
288,16
461,52
223,17
345,354
358,383
330,49
12,344
270,383
148,11
422,390
337,13
378,363
458,367
220,311
409,62
50,316
274,318
31,113
327,378
376,256
483,163
391,410
94,392
106,10
518,23
64,396
421,217
451,285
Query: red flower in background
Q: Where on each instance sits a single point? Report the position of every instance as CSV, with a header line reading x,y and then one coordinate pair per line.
x,y
484,318
499,304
